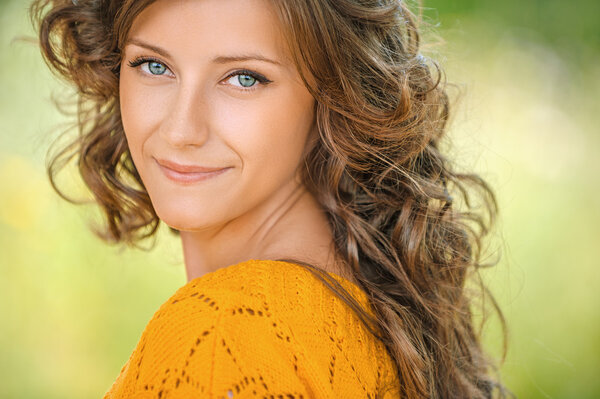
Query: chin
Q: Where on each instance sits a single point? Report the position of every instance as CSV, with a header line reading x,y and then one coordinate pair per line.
x,y
184,222
193,219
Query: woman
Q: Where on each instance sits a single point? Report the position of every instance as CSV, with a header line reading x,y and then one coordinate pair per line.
x,y
293,146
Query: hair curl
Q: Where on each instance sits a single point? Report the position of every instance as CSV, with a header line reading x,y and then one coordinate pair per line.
x,y
393,199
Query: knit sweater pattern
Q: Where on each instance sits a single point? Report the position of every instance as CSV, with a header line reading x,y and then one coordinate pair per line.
x,y
260,328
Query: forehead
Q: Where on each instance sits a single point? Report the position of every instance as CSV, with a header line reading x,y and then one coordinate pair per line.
x,y
209,27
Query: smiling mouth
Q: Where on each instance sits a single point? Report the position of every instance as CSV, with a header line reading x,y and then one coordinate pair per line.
x,y
188,174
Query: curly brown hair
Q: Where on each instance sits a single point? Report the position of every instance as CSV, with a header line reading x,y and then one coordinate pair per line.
x,y
404,219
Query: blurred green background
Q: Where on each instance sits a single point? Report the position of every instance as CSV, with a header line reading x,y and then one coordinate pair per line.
x,y
72,308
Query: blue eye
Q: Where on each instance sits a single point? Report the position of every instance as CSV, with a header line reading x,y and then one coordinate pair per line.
x,y
150,66
156,68
246,80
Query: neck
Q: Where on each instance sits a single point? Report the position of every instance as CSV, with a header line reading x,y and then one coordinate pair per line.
x,y
290,224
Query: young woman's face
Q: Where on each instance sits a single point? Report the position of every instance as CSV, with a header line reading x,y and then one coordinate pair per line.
x,y
216,116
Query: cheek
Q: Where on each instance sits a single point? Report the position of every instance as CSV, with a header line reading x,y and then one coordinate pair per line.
x,y
140,113
270,135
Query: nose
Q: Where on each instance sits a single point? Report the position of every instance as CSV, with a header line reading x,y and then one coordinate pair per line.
x,y
186,123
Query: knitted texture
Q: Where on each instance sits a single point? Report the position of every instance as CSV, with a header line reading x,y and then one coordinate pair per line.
x,y
259,328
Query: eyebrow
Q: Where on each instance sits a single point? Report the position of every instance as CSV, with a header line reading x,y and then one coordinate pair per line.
x,y
245,57
216,60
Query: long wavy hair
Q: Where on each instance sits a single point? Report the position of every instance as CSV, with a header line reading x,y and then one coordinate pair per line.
x,y
406,221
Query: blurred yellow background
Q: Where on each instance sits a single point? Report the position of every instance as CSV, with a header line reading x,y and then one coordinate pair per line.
x,y
72,308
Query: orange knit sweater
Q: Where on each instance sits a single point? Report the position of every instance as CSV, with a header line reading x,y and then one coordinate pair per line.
x,y
257,329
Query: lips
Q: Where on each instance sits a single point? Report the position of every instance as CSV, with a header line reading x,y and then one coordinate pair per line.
x,y
186,168
186,174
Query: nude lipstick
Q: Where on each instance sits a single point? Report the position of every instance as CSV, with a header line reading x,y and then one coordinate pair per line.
x,y
188,174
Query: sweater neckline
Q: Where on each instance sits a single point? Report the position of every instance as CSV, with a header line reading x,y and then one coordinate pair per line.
x,y
339,278
342,280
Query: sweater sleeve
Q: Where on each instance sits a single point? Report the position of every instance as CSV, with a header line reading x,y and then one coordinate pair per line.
x,y
222,345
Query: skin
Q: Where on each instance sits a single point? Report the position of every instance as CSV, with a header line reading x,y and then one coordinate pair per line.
x,y
191,110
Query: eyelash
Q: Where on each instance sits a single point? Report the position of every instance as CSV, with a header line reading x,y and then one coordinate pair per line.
x,y
136,62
